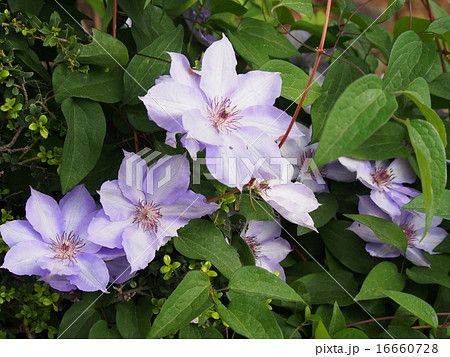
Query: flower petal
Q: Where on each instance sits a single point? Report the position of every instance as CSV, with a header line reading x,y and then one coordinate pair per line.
x,y
168,179
219,78
132,173
416,257
181,71
75,206
262,230
140,247
383,201
275,249
57,266
201,128
189,205
434,237
271,266
18,231
192,146
364,232
44,215
382,250
168,227
115,205
256,88
119,270
93,275
22,258
58,282
167,101
402,171
368,207
107,233
334,170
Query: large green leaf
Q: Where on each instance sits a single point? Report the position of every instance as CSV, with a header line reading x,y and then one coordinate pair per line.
x,y
384,230
228,6
337,322
410,58
294,81
260,282
148,23
301,6
415,306
101,330
347,247
127,320
339,76
78,320
442,206
430,155
440,86
392,7
200,239
419,93
350,333
385,143
259,211
99,84
360,111
250,318
383,276
276,44
249,48
86,128
31,6
142,71
188,301
193,331
104,50
425,275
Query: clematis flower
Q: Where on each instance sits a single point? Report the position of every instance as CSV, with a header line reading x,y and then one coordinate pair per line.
x,y
412,223
385,179
269,249
230,115
301,155
293,200
145,207
118,267
54,242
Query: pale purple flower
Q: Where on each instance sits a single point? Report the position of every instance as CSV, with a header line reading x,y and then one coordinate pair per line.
x,y
293,200
231,115
412,223
53,242
118,267
301,155
145,207
269,249
386,181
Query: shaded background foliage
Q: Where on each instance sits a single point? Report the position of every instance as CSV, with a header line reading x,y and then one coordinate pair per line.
x,y
68,109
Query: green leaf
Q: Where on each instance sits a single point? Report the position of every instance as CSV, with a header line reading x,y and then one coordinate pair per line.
x,y
430,155
104,50
425,275
188,301
100,330
392,7
380,39
249,48
98,84
142,71
410,58
350,333
250,318
294,81
276,44
228,6
329,287
193,331
385,143
347,247
339,76
262,211
323,214
337,322
360,111
301,6
86,128
441,26
200,239
417,307
144,313
138,118
440,86
419,93
148,23
31,6
78,320
442,206
384,230
126,319
381,277
346,6
321,331
260,282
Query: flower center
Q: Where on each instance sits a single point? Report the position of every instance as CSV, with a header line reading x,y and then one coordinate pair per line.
x,y
223,115
67,246
410,232
254,245
382,177
147,216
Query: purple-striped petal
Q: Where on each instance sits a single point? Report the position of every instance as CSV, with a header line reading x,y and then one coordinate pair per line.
x,y
115,205
18,231
140,247
22,258
189,205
